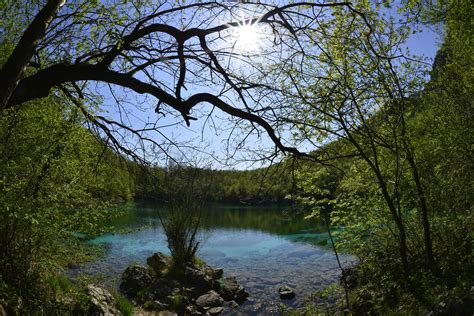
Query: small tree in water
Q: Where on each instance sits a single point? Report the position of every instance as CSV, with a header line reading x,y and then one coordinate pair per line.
x,y
186,194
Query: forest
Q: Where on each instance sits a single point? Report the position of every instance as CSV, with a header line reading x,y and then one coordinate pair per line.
x,y
324,114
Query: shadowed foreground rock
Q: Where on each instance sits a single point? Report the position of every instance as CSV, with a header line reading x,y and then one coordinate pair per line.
x,y
193,290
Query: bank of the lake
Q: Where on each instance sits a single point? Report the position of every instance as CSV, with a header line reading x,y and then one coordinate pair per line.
x,y
261,246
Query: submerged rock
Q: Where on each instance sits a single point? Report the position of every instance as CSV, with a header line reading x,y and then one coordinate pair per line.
x,y
286,292
102,303
232,291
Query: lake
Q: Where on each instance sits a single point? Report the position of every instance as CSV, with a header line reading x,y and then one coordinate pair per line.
x,y
264,247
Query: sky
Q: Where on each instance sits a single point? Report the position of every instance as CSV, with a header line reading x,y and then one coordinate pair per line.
x,y
212,145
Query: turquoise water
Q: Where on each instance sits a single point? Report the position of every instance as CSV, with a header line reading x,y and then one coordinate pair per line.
x,y
264,247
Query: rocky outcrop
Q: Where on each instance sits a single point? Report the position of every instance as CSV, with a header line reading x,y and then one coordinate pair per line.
x,y
194,290
101,302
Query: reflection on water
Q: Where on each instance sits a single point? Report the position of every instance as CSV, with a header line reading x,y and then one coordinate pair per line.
x,y
260,246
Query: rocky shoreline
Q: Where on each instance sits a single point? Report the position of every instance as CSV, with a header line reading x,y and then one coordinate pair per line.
x,y
196,289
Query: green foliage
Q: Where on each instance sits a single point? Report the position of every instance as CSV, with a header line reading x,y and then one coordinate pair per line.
x,y
425,138
58,284
53,182
123,305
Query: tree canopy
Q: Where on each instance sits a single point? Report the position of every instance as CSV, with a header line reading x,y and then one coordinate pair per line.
x,y
182,55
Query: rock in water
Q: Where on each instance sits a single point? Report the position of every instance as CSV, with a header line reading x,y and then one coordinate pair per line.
x,y
209,300
102,303
135,278
231,290
158,262
286,292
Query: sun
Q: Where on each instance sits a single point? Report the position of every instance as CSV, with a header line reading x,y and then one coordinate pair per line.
x,y
248,37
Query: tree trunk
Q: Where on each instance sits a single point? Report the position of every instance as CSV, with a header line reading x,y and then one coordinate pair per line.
x,y
423,214
393,210
398,221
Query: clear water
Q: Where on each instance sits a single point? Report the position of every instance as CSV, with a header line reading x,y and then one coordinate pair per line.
x,y
262,246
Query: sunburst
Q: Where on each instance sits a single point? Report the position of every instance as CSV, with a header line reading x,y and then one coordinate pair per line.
x,y
248,37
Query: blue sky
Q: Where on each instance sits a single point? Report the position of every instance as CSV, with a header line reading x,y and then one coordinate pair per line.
x,y
213,143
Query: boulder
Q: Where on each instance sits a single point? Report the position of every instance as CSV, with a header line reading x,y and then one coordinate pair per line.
x,y
134,279
209,300
215,310
158,262
231,290
102,303
198,279
286,292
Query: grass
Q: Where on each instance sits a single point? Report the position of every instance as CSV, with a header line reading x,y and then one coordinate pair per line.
x,y
123,305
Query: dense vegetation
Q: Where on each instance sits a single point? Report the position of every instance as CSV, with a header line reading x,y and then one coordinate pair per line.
x,y
401,184
434,173
50,164
266,185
